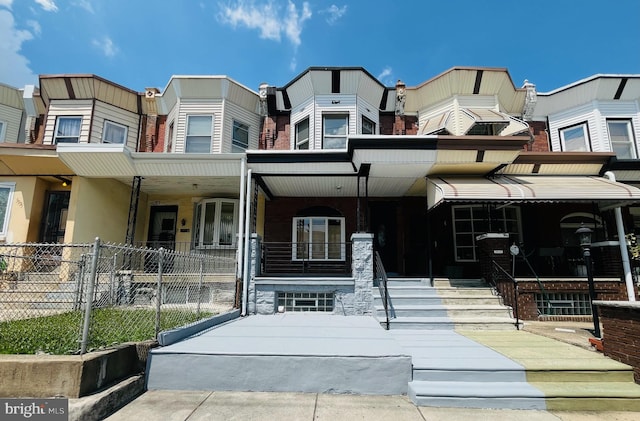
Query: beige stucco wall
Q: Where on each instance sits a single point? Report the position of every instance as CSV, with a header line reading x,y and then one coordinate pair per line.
x,y
185,211
27,207
97,208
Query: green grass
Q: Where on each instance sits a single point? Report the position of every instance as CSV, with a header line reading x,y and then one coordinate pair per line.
x,y
60,334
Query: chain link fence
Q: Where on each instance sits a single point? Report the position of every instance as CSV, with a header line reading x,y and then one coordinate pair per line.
x,y
71,298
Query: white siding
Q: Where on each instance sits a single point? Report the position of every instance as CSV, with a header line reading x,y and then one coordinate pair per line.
x,y
193,106
251,119
333,104
304,110
104,111
369,111
595,114
68,107
12,124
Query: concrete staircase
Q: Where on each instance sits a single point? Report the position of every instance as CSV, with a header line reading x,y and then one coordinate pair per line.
x,y
460,304
466,352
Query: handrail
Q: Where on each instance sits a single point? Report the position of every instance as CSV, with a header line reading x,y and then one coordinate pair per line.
x,y
545,301
381,277
497,266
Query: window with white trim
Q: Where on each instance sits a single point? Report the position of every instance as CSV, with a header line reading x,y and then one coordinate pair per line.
x,y
215,223
67,130
6,197
240,137
318,238
368,126
199,134
575,138
302,134
114,132
470,221
335,131
3,127
621,138
170,137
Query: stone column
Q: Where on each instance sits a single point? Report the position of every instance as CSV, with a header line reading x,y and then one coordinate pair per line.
x,y
362,271
254,270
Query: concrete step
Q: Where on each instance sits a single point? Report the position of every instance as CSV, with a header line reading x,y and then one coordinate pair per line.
x,y
408,282
443,323
422,310
460,283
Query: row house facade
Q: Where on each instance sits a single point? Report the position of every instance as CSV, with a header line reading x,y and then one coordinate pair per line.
x,y
293,174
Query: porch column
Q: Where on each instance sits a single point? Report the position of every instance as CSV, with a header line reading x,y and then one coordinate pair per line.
x,y
362,272
254,270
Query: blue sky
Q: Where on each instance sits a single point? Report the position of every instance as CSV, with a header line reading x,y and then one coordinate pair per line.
x,y
141,43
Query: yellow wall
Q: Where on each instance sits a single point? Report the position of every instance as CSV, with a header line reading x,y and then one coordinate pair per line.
x,y
185,211
97,208
27,207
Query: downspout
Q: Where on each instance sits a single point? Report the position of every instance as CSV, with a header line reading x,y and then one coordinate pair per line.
x,y
245,278
628,280
240,256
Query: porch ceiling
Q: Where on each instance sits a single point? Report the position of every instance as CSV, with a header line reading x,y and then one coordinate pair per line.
x,y
188,186
28,161
533,189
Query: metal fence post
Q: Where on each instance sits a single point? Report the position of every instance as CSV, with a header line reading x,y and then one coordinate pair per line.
x,y
159,293
200,285
77,299
112,283
89,299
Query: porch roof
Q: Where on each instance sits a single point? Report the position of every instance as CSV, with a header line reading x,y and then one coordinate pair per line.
x,y
533,189
164,173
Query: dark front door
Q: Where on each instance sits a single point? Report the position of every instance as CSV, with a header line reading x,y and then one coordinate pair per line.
x,y
54,217
385,230
162,227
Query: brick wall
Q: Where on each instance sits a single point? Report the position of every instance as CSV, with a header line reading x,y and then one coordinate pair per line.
x,y
275,133
606,290
540,137
621,328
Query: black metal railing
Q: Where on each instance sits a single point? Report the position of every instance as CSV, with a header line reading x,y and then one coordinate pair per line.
x,y
285,258
380,277
497,271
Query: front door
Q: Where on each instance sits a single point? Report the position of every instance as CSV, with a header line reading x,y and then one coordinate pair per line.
x,y
162,227
384,227
54,217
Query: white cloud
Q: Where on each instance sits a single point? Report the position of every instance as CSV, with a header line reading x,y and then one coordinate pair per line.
x,y
85,4
35,26
48,5
268,18
335,13
106,45
6,3
385,77
14,67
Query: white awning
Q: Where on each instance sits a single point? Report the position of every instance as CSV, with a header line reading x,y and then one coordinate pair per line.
x,y
531,189
471,120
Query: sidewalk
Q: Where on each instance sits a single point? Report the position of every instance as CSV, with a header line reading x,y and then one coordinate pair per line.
x,y
227,406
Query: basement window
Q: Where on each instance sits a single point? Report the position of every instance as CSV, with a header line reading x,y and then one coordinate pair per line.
x,y
563,304
306,301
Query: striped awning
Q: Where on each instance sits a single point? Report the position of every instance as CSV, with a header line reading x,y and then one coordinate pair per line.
x,y
519,189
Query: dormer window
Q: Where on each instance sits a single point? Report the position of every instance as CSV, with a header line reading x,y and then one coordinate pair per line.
x,y
368,126
335,130
114,132
302,134
621,138
240,140
575,138
67,130
199,134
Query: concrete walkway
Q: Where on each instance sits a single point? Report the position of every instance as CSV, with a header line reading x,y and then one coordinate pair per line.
x,y
246,406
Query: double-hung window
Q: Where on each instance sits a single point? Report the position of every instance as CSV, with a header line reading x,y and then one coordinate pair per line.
x,y
621,137
302,134
575,138
215,223
368,126
318,238
470,221
3,127
6,197
67,130
240,138
335,130
199,134
114,132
